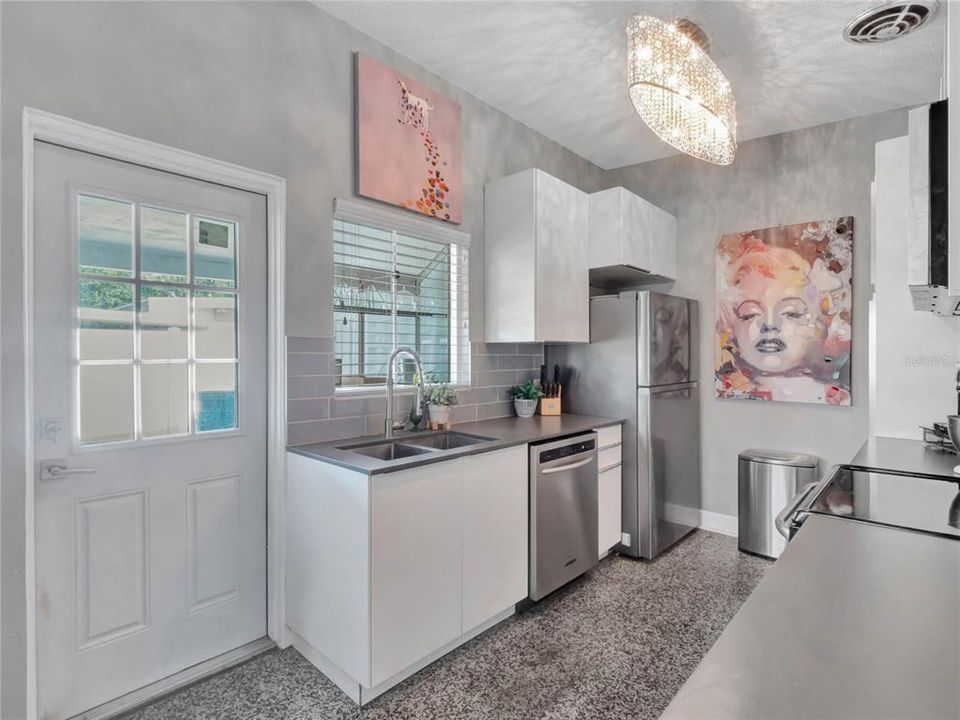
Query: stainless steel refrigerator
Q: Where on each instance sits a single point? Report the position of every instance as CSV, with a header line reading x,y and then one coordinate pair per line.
x,y
641,364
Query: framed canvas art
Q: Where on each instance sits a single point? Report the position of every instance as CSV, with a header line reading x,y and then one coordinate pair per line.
x,y
784,313
409,145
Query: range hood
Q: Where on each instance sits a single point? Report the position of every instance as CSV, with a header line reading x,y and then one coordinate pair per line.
x,y
928,246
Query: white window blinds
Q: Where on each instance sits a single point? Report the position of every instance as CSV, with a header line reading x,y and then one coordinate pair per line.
x,y
394,288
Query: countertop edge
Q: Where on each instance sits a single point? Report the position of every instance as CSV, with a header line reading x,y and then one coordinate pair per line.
x,y
473,427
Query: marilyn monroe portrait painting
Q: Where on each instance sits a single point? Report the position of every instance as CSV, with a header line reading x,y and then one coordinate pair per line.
x,y
784,302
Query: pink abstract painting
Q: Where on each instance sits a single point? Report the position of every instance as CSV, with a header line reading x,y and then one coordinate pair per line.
x,y
408,143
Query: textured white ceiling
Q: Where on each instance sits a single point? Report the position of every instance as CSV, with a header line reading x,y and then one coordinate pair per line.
x,y
559,67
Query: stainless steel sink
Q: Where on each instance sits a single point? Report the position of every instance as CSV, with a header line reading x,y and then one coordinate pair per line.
x,y
413,445
447,440
389,450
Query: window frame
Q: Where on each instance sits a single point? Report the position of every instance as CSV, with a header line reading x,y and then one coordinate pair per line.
x,y
359,212
136,282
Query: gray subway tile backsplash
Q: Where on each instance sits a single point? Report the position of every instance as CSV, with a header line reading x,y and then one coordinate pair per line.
x,y
309,409
315,414
309,345
521,362
302,433
310,386
300,364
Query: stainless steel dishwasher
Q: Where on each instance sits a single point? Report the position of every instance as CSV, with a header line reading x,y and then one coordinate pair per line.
x,y
563,511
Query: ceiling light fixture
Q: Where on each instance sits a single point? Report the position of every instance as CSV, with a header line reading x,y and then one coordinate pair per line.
x,y
678,90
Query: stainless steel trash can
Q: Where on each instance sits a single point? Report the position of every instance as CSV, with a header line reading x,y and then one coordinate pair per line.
x,y
768,480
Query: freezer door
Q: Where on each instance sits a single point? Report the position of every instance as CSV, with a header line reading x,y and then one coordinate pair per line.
x,y
666,337
668,465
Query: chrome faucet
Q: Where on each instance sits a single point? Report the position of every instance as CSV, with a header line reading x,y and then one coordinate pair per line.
x,y
388,426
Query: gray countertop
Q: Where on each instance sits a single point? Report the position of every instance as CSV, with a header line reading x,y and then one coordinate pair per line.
x,y
910,456
853,621
504,432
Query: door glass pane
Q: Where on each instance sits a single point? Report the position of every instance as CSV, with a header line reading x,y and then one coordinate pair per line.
x,y
163,245
215,325
106,403
104,236
216,404
214,253
163,322
164,400
105,312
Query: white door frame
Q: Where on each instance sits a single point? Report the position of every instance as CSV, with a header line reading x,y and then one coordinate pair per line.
x,y
44,126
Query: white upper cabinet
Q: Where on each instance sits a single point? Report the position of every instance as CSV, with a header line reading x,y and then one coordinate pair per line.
x,y
629,234
952,77
535,242
663,243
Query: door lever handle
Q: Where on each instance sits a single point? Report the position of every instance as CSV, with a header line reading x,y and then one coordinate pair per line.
x,y
54,469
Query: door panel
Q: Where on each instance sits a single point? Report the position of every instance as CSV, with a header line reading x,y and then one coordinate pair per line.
x,y
213,538
111,533
149,329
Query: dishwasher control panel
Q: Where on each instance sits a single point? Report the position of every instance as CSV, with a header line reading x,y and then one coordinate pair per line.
x,y
567,450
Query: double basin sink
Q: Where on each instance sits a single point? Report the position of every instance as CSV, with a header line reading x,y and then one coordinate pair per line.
x,y
413,445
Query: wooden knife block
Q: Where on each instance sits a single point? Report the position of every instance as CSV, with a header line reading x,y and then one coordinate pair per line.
x,y
550,406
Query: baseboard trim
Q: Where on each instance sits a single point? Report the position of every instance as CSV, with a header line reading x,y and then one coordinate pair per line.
x,y
703,519
719,523
177,681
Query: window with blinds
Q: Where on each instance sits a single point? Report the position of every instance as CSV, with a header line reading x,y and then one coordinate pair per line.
x,y
392,289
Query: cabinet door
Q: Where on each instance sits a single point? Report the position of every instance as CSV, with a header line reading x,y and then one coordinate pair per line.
x,y
609,508
663,243
510,228
604,223
635,219
415,565
494,533
563,282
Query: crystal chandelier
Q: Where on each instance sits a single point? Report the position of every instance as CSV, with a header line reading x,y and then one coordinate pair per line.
x,y
678,90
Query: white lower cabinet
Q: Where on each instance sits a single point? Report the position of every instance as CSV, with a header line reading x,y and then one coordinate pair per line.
x,y
609,520
494,533
415,549
387,572
609,487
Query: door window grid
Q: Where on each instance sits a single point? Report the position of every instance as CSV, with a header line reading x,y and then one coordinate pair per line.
x,y
208,407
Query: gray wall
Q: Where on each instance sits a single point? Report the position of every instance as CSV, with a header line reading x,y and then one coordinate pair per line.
x,y
810,174
264,85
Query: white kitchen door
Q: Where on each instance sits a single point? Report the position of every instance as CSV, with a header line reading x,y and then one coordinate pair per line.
x,y
149,399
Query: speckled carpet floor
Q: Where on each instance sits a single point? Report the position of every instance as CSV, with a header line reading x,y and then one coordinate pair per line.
x,y
617,643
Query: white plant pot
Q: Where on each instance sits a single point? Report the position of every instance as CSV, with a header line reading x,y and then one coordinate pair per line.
x,y
524,408
439,413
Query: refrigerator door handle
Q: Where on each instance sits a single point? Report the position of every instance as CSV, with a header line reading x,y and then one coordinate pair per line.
x,y
663,389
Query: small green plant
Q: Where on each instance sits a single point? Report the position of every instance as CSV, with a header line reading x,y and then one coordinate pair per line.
x,y
526,391
440,394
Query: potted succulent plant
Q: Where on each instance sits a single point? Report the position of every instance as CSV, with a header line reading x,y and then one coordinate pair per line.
x,y
439,397
525,398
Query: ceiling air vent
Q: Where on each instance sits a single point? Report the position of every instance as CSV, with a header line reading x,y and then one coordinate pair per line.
x,y
889,21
